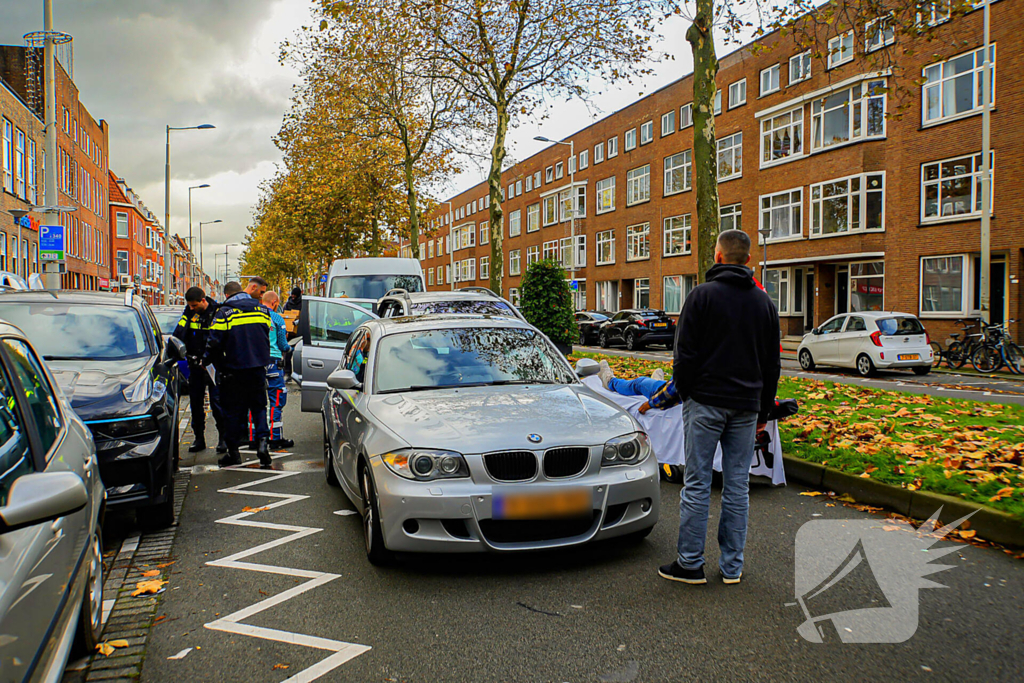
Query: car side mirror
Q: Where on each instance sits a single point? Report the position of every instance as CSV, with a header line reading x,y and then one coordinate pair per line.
x,y
585,367
343,379
174,350
815,330
42,497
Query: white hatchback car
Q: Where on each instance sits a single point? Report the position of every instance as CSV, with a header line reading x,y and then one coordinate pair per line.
x,y
867,341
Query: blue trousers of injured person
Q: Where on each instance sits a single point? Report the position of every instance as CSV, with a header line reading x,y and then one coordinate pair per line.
x,y
277,397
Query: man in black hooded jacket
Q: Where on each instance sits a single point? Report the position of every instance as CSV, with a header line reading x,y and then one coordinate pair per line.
x,y
193,329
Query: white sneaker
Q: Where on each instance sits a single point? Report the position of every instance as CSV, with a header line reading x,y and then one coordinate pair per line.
x,y
659,375
605,373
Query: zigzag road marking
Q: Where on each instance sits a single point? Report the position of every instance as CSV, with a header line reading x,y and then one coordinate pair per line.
x,y
342,651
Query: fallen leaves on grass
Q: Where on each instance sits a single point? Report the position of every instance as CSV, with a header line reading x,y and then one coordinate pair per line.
x,y
148,587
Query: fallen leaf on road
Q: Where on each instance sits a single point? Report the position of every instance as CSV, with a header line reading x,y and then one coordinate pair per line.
x,y
107,648
811,493
966,533
251,509
281,666
148,587
151,572
165,564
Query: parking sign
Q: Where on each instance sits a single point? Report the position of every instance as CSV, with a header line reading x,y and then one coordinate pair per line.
x,y
51,242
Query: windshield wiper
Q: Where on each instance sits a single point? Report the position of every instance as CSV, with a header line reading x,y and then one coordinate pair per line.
x,y
504,382
63,358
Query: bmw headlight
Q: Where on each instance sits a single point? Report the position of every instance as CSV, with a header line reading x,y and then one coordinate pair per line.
x,y
631,449
141,389
426,464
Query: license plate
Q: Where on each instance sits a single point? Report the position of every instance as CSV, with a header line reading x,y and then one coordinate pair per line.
x,y
575,502
660,325
908,356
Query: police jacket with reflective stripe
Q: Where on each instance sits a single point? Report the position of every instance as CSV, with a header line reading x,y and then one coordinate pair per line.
x,y
239,336
194,327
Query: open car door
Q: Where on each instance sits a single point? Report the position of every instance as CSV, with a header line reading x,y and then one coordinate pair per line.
x,y
325,326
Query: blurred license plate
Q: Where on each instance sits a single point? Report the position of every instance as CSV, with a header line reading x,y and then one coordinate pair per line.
x,y
908,356
660,324
574,502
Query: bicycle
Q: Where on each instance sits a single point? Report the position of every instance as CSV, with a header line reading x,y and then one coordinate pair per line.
x,y
998,349
958,352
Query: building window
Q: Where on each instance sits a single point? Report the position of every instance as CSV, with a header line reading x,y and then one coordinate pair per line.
x,y
849,115
515,225
532,255
533,218
879,32
776,285
782,137
678,172
730,157
935,12
519,191
770,80
677,235
549,174
485,267
952,188
605,195
867,286
642,292
675,290
685,116
953,88
630,139
638,242
536,180
121,219
19,163
566,252
613,147
551,250
738,93
848,205
8,152
513,262
668,123
430,249
430,276
513,296
559,171
782,214
31,172
511,194
598,152
638,185
122,262
646,132
565,202
584,159
550,204
730,217
840,49
572,165
605,247
718,102
943,283
529,183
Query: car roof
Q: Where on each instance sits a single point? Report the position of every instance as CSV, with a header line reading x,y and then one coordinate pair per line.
x,y
71,297
436,321
879,314
458,295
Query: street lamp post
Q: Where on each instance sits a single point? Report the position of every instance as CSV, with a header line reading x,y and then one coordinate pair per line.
x,y
764,233
573,207
232,244
986,176
194,187
167,204
201,224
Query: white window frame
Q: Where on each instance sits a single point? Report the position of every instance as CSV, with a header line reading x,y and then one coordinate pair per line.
x,y
638,242
550,250
966,282
514,262
565,203
774,72
737,93
605,239
549,175
572,165
840,49
641,285
515,223
559,170
613,147
629,139
818,197
604,192
791,121
786,208
565,245
532,254
513,296
536,180
485,267
860,99
782,294
598,152
935,80
670,227
550,201
646,132
939,13
940,179
668,123
718,102
529,183
638,185
686,115
879,33
430,276
519,188
485,236
584,159
681,161
533,218
727,147
733,212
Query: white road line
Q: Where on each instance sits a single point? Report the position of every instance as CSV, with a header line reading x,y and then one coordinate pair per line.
x,y
108,605
342,651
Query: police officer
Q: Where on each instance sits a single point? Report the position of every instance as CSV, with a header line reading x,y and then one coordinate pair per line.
x,y
239,347
193,329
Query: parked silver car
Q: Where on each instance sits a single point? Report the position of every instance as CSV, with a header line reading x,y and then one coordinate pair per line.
x,y
51,499
471,300
461,433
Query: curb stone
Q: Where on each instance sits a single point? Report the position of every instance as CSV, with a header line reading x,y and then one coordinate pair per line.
x,y
992,525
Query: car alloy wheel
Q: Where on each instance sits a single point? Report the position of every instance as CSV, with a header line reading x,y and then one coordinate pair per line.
x,y
583,338
603,340
373,531
806,361
865,368
90,620
631,341
332,478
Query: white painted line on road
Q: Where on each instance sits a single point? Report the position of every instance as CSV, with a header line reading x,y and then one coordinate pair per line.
x,y
129,545
345,513
108,605
183,425
342,651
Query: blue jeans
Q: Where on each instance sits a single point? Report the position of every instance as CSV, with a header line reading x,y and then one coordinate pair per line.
x,y
705,427
641,386
277,397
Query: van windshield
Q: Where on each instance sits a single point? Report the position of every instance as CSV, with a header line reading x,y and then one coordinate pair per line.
x,y
373,286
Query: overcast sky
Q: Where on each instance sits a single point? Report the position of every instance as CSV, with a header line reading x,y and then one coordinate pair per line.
x,y
144,64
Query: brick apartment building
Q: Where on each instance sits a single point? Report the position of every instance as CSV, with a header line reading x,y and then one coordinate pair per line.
x,y
131,240
82,150
865,211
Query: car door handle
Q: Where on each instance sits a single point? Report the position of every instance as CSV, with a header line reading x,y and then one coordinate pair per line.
x,y
315,363
56,525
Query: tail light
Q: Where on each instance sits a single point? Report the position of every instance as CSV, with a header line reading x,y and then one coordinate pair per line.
x,y
876,338
927,338
640,322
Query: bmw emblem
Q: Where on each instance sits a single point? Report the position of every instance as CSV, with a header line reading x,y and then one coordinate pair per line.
x,y
533,438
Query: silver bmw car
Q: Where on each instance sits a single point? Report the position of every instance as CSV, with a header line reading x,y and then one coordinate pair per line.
x,y
463,433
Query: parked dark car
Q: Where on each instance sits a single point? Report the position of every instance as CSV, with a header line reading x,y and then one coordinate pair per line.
x,y
108,356
636,328
589,324
168,318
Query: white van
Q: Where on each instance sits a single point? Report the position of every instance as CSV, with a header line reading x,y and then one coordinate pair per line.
x,y
365,280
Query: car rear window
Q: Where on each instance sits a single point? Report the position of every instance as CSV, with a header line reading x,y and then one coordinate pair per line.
x,y
461,306
902,325
61,331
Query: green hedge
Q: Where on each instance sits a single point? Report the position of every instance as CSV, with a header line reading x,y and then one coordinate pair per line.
x,y
546,302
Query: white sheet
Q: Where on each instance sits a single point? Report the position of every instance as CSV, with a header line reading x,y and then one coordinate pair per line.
x,y
665,427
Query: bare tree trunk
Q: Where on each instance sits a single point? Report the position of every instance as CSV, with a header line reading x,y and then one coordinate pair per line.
x,y
705,152
494,192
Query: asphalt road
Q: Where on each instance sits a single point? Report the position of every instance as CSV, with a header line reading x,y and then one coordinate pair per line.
x,y
974,387
594,614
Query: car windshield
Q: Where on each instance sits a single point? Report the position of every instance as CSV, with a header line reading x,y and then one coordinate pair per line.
x,y
62,331
471,356
168,320
902,325
463,306
373,286
598,316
